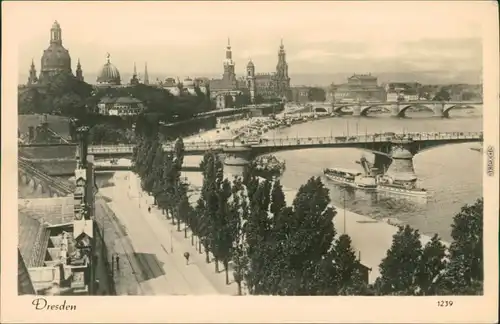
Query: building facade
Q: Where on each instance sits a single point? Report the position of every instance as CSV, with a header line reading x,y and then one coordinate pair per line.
x,y
263,85
360,87
122,106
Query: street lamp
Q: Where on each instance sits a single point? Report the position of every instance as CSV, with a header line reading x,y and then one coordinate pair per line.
x,y
171,242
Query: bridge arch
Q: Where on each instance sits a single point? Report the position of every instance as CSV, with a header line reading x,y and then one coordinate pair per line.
x,y
402,111
320,110
364,109
446,110
339,109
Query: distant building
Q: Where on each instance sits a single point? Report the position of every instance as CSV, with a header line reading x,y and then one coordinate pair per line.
x,y
135,80
108,75
264,85
122,106
360,87
55,60
187,86
401,86
300,94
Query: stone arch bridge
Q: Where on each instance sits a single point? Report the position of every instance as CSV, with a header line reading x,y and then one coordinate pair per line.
x,y
398,109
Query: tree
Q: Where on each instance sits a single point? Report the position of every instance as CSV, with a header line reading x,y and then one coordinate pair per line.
x,y
442,95
468,96
311,234
31,101
399,267
257,231
347,268
104,134
179,188
432,263
316,94
277,199
147,176
226,225
464,275
207,205
241,100
240,208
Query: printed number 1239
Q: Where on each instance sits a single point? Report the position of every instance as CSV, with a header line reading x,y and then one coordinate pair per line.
x,y
445,303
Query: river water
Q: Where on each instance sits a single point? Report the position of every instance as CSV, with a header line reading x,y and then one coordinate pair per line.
x,y
451,173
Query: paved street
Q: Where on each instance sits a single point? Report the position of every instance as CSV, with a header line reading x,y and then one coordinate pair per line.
x,y
159,248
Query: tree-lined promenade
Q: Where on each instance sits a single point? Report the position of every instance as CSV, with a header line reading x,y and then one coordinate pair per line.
x,y
275,249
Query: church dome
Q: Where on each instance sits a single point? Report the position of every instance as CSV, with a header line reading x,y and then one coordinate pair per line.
x,y
250,64
55,58
109,74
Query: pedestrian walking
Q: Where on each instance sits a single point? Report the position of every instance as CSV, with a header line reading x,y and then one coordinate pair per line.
x,y
186,255
149,209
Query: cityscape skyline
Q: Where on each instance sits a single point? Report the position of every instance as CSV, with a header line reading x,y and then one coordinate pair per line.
x,y
167,52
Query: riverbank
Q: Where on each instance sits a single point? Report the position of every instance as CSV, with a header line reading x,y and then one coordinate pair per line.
x,y
371,238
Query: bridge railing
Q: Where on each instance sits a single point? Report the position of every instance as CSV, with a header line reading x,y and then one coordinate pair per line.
x,y
293,141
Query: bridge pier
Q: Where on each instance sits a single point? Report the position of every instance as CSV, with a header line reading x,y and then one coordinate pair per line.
x,y
356,111
395,111
237,158
402,160
439,111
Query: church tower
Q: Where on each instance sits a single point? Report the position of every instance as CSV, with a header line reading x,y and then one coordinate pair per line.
x,y
56,34
134,80
251,80
55,58
282,78
32,76
146,76
79,72
229,74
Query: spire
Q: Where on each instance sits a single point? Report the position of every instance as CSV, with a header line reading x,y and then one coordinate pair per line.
x,y
135,70
107,57
32,79
79,72
229,54
146,76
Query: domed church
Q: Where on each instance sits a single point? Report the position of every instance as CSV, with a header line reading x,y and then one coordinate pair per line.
x,y
108,75
55,58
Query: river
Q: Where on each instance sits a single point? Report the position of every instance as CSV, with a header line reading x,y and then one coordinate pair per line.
x,y
451,173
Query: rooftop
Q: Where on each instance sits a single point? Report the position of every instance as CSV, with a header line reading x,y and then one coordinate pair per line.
x,y
50,211
34,238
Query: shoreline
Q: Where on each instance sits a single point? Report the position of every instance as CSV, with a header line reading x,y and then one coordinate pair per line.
x,y
371,238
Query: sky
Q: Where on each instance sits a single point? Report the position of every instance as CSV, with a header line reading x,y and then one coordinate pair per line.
x,y
189,38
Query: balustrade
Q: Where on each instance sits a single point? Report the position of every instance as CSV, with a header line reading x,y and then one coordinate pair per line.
x,y
368,138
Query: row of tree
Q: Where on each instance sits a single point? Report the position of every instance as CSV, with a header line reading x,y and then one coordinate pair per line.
x,y
277,249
